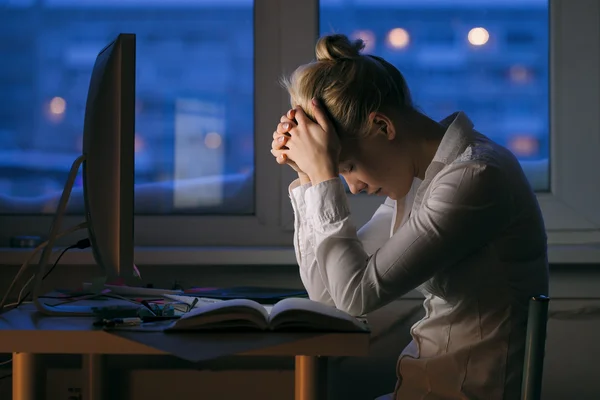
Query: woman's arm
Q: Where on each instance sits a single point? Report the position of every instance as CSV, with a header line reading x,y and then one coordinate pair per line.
x,y
467,206
303,246
372,235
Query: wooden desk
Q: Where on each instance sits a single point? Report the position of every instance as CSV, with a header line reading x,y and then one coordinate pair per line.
x,y
26,334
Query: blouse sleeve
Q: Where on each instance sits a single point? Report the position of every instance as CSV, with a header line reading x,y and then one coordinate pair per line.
x,y
468,204
372,235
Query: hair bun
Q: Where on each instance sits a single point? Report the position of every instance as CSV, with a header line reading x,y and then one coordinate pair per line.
x,y
338,47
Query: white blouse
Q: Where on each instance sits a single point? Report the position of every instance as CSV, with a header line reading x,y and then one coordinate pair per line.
x,y
470,237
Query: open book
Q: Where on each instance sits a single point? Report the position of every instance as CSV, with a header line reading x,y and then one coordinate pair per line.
x,y
292,314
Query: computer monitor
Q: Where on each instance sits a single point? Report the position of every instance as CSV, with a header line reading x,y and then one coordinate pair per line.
x,y
108,166
108,171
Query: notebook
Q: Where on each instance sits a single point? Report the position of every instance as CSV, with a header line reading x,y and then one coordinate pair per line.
x,y
291,314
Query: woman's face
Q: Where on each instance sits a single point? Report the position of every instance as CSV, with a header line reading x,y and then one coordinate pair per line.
x,y
379,164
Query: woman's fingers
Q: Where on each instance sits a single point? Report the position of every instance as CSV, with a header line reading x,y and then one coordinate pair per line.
x,y
286,123
320,116
276,135
285,118
279,155
282,158
282,135
285,127
291,114
279,142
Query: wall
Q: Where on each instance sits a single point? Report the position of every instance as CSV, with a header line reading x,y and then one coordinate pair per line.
x,y
570,369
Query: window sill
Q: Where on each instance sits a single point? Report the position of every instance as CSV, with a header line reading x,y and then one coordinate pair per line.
x,y
173,256
557,254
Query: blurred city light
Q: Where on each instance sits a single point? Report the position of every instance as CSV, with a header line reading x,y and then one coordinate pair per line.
x,y
212,140
519,74
523,145
398,38
478,36
58,105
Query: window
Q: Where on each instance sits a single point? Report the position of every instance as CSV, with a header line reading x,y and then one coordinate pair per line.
x,y
197,173
529,80
455,57
194,102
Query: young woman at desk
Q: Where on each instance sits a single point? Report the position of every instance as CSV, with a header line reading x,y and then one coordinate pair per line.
x,y
460,222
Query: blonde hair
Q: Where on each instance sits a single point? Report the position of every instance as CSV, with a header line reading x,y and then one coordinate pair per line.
x,y
349,84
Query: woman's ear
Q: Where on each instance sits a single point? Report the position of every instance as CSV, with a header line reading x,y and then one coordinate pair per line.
x,y
382,124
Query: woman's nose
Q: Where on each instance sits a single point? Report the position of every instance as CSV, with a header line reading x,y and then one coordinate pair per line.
x,y
356,186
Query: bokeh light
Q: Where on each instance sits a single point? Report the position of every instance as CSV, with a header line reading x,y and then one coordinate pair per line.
x,y
58,106
367,36
478,36
398,38
213,140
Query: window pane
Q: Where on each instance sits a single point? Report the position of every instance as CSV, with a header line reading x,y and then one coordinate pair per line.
x,y
487,58
194,100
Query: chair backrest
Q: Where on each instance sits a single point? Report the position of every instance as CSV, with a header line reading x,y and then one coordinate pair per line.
x,y
535,344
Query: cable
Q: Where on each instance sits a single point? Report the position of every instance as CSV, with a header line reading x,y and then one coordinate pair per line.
x,y
21,299
54,229
82,244
32,255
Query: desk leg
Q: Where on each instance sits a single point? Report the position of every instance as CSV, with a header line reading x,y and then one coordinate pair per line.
x,y
93,376
310,378
29,377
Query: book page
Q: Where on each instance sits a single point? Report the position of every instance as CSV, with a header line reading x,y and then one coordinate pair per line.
x,y
307,314
240,313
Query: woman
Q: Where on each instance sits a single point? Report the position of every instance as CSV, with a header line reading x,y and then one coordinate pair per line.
x,y
460,222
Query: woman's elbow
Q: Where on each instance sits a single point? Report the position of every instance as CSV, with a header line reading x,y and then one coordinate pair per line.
x,y
352,303
320,296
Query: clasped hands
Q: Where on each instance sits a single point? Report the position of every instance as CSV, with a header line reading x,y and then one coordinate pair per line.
x,y
311,148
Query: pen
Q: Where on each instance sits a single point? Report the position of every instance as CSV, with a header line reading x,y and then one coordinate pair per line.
x,y
134,321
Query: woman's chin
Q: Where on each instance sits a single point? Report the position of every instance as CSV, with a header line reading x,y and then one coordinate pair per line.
x,y
387,194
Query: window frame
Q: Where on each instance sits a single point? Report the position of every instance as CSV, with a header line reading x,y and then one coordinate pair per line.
x,y
571,208
274,45
285,32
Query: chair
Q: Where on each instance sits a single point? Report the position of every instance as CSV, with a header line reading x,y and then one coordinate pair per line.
x,y
535,344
